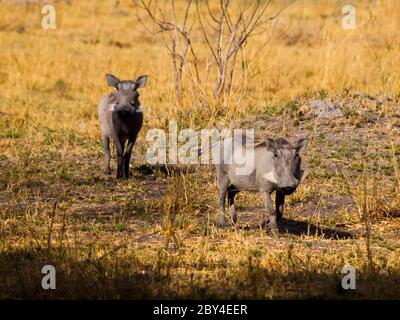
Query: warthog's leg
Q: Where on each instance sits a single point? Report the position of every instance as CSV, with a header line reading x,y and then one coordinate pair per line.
x,y
127,156
119,144
223,184
279,204
232,191
271,224
106,142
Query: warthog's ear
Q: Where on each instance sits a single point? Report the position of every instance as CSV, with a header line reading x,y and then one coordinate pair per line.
x,y
112,80
300,144
141,81
271,144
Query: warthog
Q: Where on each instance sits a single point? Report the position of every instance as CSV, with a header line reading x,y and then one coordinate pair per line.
x,y
121,119
274,165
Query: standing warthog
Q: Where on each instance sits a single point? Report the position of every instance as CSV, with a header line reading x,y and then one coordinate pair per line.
x,y
121,119
274,165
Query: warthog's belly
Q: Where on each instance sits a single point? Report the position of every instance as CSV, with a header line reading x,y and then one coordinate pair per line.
x,y
242,182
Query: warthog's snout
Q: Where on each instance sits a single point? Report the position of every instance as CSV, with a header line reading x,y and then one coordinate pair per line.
x,y
289,188
124,108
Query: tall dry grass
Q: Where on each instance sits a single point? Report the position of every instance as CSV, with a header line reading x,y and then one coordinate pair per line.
x,y
308,51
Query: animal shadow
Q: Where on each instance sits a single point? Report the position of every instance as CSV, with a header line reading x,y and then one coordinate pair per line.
x,y
165,170
298,228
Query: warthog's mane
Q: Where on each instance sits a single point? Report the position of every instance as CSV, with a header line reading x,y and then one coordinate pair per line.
x,y
112,97
128,82
281,143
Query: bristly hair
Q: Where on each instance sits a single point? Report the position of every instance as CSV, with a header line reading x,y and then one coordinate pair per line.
x,y
281,143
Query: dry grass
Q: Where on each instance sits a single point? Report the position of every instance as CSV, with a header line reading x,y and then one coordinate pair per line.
x,y
154,235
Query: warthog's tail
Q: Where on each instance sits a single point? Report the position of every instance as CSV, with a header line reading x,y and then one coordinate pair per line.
x,y
200,151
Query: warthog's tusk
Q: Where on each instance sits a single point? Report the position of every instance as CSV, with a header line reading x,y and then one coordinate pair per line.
x,y
270,176
140,109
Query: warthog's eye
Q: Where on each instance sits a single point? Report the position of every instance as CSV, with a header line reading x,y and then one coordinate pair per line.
x,y
275,154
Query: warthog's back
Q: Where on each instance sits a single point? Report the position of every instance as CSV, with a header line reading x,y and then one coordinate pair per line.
x,y
238,157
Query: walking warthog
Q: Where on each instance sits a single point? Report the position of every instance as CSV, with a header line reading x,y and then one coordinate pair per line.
x,y
273,165
121,119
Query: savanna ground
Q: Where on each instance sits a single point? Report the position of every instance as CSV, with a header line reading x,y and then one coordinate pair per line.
x,y
154,235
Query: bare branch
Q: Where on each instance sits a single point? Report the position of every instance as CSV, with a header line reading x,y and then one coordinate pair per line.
x,y
205,34
224,30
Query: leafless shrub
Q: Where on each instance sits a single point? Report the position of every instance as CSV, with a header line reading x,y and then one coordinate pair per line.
x,y
208,41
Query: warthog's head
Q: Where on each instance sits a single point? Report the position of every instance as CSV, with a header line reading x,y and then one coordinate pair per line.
x,y
286,162
127,96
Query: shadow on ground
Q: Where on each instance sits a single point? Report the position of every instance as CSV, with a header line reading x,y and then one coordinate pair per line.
x,y
98,279
298,228
302,227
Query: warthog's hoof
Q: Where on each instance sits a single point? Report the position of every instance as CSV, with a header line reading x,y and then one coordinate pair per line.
x,y
273,231
221,224
122,175
270,227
